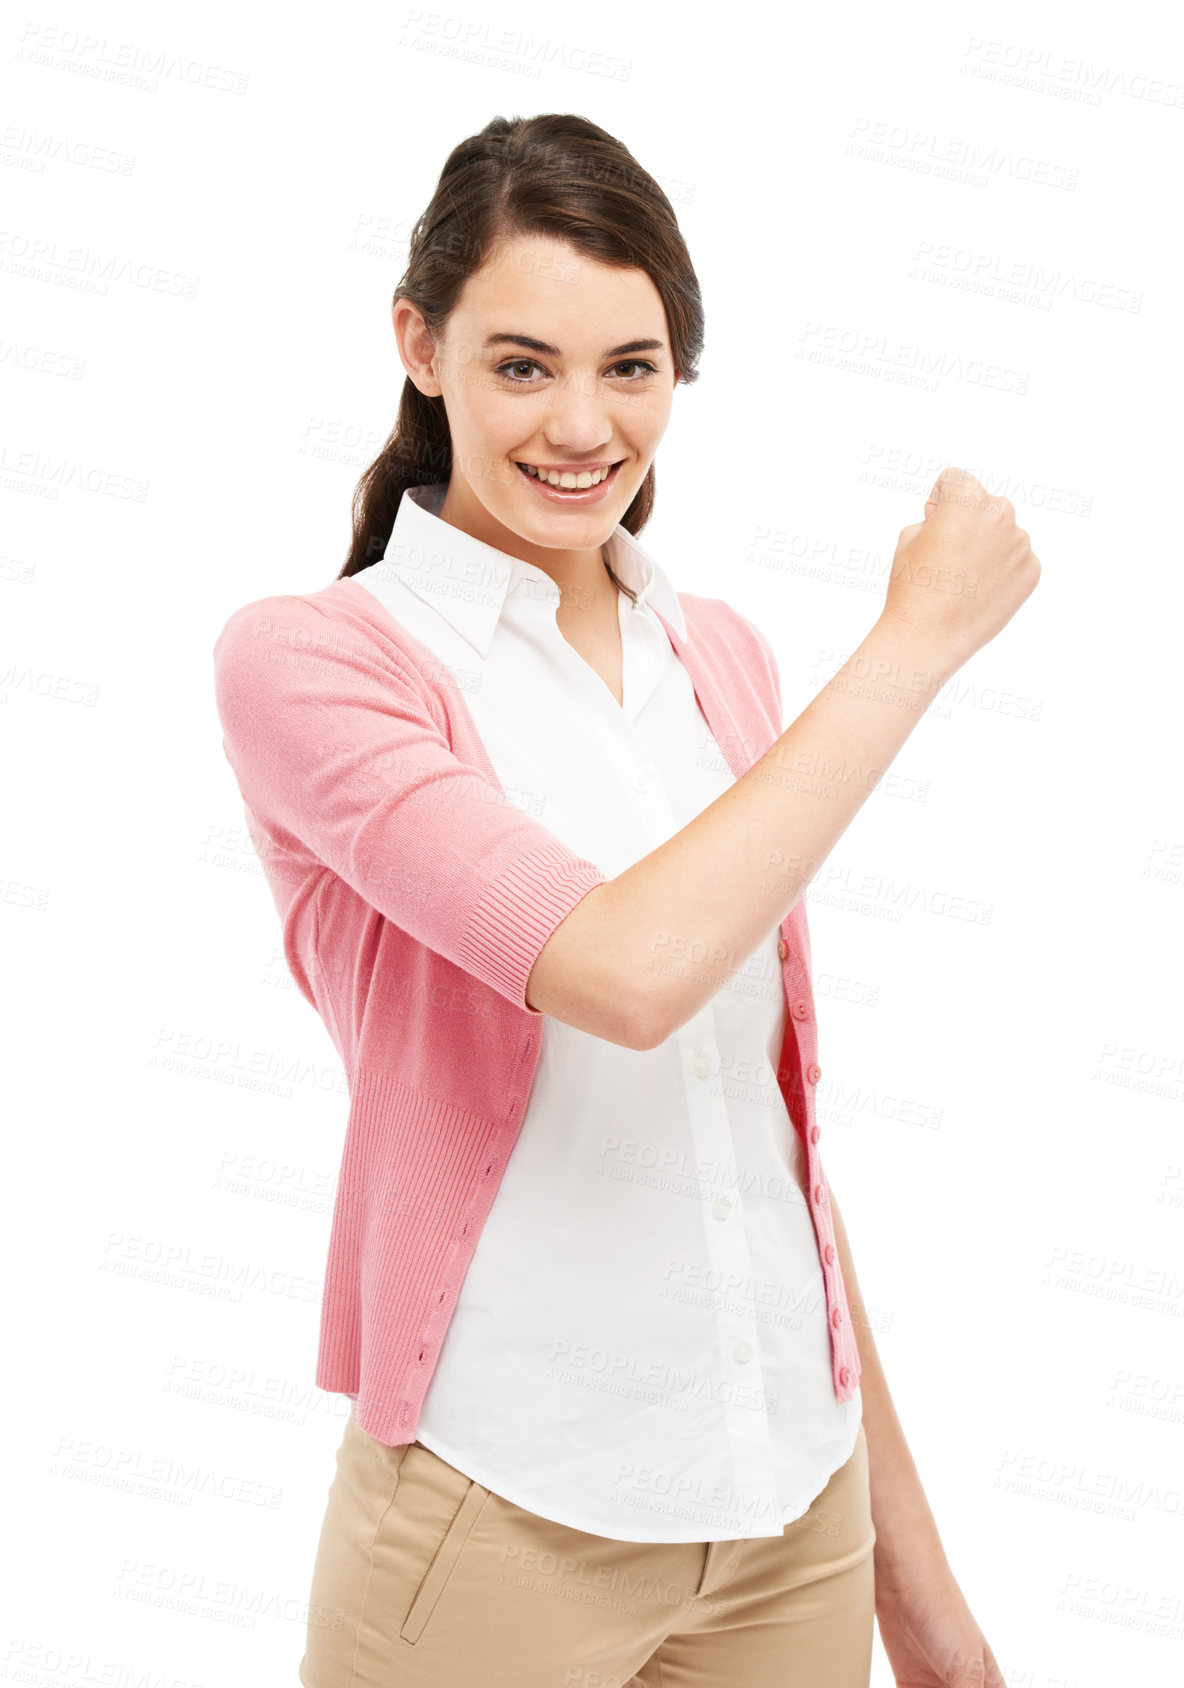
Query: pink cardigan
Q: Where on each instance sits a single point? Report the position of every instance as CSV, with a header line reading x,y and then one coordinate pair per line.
x,y
414,898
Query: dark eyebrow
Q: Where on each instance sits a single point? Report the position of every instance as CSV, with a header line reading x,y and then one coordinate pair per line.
x,y
554,352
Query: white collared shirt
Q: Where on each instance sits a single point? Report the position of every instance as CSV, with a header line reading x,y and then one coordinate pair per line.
x,y
640,1346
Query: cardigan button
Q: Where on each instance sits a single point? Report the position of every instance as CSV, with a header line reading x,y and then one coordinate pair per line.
x,y
836,1317
820,1193
800,1009
813,1072
844,1375
815,1133
782,949
828,1254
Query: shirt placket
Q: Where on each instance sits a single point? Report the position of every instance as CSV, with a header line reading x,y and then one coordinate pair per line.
x,y
737,1387
799,1072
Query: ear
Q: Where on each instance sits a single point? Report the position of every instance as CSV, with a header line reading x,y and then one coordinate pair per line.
x,y
417,349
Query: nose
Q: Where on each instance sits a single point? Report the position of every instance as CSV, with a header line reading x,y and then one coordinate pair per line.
x,y
578,419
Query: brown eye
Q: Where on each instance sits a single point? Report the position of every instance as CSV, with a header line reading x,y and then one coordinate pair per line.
x,y
518,363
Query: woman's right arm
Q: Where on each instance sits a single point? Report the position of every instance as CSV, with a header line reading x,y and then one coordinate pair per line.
x,y
640,954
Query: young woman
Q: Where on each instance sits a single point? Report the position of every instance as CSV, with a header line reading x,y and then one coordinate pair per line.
x,y
539,843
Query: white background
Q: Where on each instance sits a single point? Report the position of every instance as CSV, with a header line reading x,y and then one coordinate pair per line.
x,y
916,237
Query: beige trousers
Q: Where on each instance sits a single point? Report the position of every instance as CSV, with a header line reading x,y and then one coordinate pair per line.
x,y
425,1579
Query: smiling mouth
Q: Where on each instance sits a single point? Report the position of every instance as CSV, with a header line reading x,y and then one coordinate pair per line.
x,y
571,480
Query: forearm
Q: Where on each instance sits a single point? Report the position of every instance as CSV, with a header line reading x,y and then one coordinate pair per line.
x,y
663,937
907,1541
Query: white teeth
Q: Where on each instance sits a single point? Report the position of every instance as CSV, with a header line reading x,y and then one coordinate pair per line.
x,y
566,478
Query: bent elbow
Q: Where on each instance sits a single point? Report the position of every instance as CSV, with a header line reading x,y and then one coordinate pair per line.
x,y
644,1020
577,978
620,1017
610,1011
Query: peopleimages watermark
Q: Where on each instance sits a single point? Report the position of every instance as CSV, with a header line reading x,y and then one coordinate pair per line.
x,y
1038,70
479,42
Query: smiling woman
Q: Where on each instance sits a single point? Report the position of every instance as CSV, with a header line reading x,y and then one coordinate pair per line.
x,y
539,841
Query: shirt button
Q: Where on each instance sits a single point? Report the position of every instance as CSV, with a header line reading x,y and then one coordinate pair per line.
x,y
783,949
813,1072
828,1254
642,782
800,1009
701,1065
742,1352
815,1133
722,1206
844,1375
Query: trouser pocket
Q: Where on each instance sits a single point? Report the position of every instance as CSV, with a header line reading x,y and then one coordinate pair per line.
x,y
420,1535
451,1544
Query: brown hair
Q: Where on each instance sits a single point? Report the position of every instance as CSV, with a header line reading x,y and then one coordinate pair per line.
x,y
555,175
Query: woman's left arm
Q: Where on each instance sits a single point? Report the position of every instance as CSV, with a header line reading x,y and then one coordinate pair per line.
x,y
927,1629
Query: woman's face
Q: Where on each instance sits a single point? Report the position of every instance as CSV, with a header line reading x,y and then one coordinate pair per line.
x,y
551,361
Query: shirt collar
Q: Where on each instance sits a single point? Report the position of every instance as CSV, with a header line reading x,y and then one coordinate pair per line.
x,y
467,581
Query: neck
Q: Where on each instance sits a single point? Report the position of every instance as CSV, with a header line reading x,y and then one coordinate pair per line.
x,y
581,575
